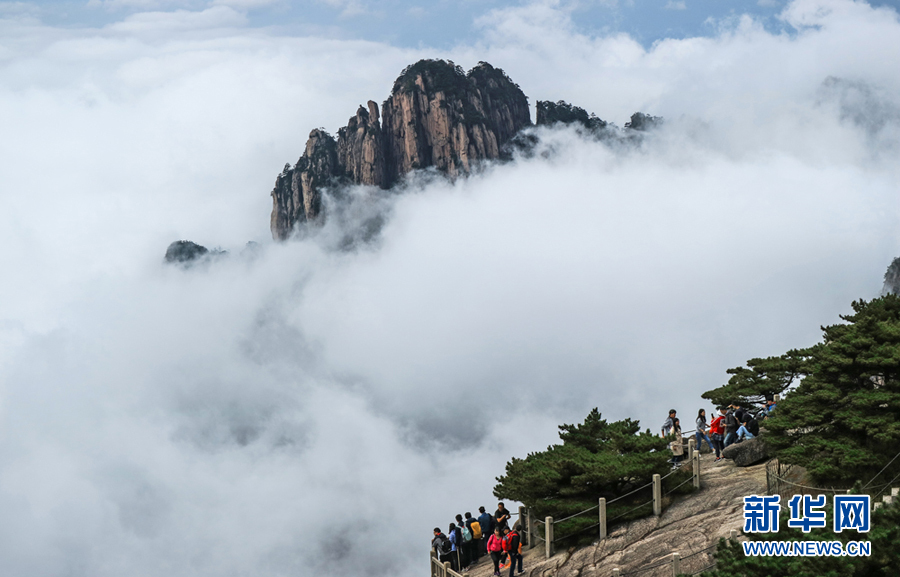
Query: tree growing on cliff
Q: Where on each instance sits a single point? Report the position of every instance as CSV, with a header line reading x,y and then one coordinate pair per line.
x,y
596,459
842,422
759,380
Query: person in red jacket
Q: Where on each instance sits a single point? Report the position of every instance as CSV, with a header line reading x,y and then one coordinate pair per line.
x,y
717,433
495,549
514,546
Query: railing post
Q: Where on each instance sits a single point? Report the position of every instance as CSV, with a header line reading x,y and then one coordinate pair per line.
x,y
530,527
692,446
446,568
676,564
696,467
602,507
657,495
548,536
776,398
522,526
616,572
733,535
432,565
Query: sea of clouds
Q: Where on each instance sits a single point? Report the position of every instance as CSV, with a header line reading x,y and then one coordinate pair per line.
x,y
300,408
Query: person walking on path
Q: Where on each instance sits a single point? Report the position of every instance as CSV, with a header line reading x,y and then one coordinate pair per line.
x,y
717,432
667,425
701,433
495,548
514,548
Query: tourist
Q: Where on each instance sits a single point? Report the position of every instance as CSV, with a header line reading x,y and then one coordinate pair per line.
x,y
495,548
442,546
455,537
731,426
487,528
716,431
667,425
701,434
464,556
501,516
677,446
514,548
475,544
749,428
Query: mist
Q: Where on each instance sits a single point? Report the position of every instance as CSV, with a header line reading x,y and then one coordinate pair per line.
x,y
319,405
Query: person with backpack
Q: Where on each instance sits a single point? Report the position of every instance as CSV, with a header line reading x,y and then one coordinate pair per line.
x,y
475,544
495,548
486,520
749,427
466,557
716,431
514,548
455,536
442,546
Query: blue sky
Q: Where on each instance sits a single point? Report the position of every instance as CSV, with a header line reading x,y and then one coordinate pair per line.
x,y
442,24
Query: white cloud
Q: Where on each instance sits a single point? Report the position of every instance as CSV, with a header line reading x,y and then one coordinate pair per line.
x,y
673,5
247,416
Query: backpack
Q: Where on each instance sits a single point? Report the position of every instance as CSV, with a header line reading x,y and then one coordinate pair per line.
x,y
504,542
515,542
753,427
446,545
466,534
476,530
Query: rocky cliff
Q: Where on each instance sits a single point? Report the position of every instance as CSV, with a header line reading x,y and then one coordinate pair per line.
x,y
436,116
892,279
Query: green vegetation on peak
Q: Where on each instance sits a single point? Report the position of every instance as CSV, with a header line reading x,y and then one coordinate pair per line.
x,y
438,75
549,113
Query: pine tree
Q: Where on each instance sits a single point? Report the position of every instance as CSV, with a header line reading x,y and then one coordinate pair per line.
x,y
842,422
596,459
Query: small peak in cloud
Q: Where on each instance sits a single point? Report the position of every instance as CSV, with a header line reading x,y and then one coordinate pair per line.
x,y
675,5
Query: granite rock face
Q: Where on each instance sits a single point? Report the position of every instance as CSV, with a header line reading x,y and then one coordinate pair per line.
x,y
892,279
747,452
360,148
297,197
436,116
